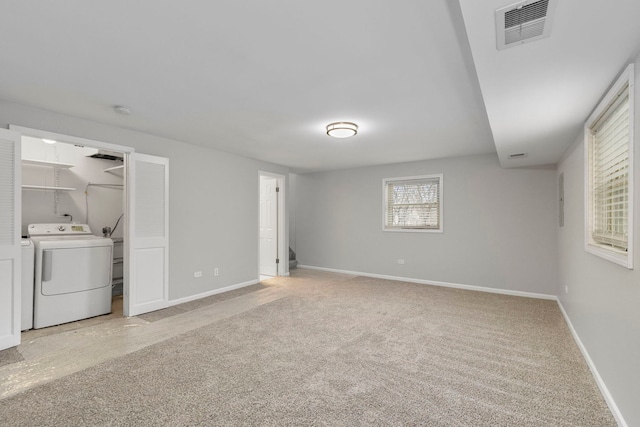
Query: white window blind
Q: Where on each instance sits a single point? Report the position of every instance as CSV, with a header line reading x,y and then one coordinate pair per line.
x,y
610,175
413,203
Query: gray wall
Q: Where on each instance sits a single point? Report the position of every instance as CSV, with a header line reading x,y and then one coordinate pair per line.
x,y
499,225
213,205
603,302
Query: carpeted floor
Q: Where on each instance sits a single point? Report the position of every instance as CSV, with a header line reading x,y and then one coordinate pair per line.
x,y
9,356
342,353
194,305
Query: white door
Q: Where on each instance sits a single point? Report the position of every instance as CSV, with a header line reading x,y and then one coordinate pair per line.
x,y
268,226
146,266
10,255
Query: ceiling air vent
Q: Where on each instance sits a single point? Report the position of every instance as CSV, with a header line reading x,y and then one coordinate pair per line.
x,y
523,22
517,155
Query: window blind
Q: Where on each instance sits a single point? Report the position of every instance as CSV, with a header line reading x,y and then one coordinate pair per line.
x,y
413,204
610,174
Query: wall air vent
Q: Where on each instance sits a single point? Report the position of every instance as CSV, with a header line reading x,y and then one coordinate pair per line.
x,y
523,22
107,155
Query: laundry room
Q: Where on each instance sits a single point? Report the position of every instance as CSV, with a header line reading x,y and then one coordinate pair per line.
x,y
70,189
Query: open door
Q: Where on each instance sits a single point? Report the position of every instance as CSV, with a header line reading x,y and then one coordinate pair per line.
x,y
269,225
146,266
10,256
273,252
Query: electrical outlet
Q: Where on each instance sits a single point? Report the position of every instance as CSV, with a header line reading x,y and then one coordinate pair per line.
x,y
566,290
197,274
216,271
400,261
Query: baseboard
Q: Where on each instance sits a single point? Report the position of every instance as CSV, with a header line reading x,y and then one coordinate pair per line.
x,y
213,292
594,371
436,283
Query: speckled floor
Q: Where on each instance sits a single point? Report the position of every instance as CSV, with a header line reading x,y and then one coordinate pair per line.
x,y
50,353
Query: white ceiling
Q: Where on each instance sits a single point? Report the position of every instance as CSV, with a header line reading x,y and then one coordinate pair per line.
x,y
538,95
262,79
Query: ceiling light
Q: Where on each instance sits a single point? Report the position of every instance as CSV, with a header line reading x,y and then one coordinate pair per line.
x,y
49,141
122,109
342,129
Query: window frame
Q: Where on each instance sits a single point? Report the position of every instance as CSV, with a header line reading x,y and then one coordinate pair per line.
x,y
617,256
386,181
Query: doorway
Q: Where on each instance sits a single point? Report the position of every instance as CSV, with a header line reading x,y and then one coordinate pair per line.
x,y
72,186
142,197
272,251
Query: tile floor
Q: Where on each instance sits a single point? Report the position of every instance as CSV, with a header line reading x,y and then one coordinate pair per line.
x,y
50,353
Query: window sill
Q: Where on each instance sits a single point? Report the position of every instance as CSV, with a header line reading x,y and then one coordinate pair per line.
x,y
413,230
624,259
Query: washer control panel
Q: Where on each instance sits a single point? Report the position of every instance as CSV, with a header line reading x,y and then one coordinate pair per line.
x,y
58,229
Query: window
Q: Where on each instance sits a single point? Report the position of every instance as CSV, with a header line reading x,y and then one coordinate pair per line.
x,y
609,174
413,203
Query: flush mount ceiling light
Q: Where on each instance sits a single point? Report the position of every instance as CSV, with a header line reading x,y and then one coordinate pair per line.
x,y
342,129
49,141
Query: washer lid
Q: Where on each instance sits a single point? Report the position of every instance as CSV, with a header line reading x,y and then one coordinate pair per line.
x,y
64,229
64,242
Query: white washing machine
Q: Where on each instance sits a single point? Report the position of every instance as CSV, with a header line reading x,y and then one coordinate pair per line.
x,y
27,285
72,273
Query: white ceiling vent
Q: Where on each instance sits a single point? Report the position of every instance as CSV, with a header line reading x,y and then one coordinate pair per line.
x,y
523,22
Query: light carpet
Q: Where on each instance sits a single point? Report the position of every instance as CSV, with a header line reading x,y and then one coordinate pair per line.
x,y
194,305
342,353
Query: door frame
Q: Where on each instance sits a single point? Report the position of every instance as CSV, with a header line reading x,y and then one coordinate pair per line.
x,y
85,142
282,269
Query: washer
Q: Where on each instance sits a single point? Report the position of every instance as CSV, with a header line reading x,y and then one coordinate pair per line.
x,y
72,273
27,285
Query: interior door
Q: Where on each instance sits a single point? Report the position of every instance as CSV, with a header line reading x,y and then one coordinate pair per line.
x,y
10,255
147,263
268,226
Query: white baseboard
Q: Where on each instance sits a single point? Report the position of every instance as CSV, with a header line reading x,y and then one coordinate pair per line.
x,y
594,371
213,292
436,283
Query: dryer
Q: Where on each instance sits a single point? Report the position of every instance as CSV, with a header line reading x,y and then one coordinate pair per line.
x,y
72,273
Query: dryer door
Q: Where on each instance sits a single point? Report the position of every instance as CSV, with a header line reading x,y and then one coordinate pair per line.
x,y
71,270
